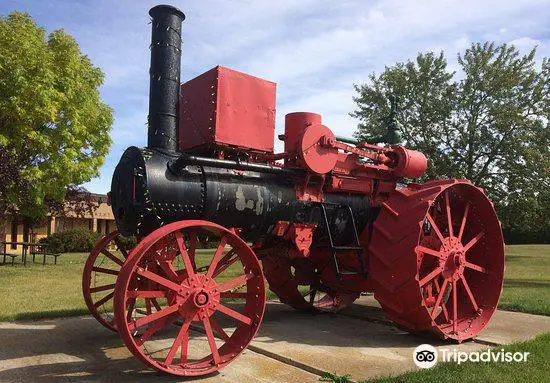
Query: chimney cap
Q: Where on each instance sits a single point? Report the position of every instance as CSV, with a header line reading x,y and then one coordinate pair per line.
x,y
163,8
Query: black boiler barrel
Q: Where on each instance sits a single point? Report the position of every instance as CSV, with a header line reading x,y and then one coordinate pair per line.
x,y
146,194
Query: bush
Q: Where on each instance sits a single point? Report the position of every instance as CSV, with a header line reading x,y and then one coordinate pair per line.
x,y
74,240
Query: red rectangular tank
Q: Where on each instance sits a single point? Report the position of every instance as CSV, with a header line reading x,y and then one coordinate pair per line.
x,y
226,108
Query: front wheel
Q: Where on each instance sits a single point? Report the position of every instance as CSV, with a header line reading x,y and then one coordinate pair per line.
x,y
206,303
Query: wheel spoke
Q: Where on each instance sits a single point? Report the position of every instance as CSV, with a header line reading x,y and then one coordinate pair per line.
x,y
476,267
455,308
112,257
184,255
448,208
183,348
469,292
434,227
102,288
157,278
232,313
225,262
430,276
211,340
168,269
312,295
130,310
239,281
103,300
441,294
147,294
154,316
178,341
463,223
156,304
104,270
148,306
473,241
427,250
216,258
227,294
193,248
219,330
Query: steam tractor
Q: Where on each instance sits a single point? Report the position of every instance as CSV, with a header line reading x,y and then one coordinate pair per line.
x,y
208,212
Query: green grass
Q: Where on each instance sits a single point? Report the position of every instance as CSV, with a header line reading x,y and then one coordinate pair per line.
x,y
43,291
527,279
536,369
39,291
330,377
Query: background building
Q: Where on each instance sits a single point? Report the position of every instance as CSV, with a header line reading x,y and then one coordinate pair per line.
x,y
101,220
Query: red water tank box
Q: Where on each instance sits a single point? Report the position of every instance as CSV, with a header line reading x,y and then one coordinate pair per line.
x,y
226,108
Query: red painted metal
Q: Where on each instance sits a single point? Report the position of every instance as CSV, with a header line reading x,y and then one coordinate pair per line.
x,y
299,234
295,282
315,156
99,277
192,295
295,125
352,168
437,258
410,163
225,108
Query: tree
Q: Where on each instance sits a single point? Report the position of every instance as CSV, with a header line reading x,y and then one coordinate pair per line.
x,y
54,128
488,123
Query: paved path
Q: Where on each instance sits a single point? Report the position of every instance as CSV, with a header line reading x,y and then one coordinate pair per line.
x,y
290,347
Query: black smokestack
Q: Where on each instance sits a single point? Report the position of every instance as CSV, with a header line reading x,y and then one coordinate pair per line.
x,y
165,77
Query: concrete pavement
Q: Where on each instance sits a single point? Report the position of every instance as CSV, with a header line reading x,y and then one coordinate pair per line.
x,y
290,347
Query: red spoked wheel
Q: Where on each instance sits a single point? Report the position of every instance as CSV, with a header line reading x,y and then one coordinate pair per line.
x,y
207,304
99,276
298,283
437,258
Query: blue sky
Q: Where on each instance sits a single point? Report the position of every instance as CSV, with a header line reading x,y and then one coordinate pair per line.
x,y
314,50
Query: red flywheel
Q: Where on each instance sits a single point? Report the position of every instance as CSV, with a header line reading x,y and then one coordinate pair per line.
x,y
437,258
207,303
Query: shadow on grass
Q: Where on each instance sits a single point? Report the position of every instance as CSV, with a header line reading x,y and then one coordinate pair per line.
x,y
525,283
37,315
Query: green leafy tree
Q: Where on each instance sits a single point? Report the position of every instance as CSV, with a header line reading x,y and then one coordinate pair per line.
x,y
488,123
54,129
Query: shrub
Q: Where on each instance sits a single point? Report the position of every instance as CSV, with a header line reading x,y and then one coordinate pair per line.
x,y
74,240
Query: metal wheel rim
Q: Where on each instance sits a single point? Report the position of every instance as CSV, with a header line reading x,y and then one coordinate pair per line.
x,y
93,266
185,295
460,259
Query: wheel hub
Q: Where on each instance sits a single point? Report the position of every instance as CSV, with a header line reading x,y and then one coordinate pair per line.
x,y
198,294
200,298
454,258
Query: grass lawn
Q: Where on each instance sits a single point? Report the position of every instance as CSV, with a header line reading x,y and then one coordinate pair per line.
x,y
536,369
38,291
527,279
45,291
41,291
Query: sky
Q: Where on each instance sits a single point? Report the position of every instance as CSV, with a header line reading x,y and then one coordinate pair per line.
x,y
314,50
